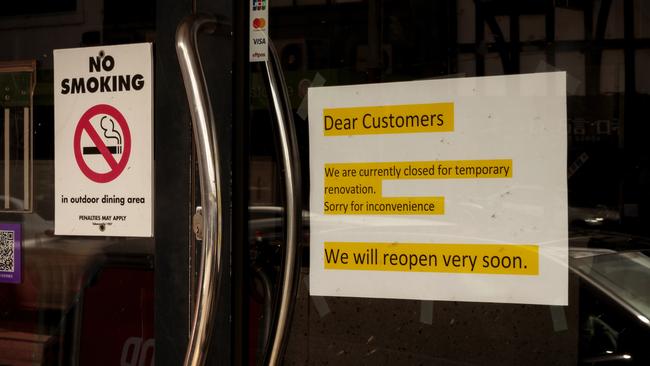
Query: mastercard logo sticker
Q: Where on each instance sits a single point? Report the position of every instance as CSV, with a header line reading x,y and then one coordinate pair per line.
x,y
259,23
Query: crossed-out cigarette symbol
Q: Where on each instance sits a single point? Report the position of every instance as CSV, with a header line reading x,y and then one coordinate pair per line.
x,y
107,125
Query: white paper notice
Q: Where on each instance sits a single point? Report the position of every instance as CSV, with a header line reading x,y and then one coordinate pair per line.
x,y
449,189
103,140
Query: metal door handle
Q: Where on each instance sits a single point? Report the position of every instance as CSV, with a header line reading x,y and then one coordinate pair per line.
x,y
293,212
203,122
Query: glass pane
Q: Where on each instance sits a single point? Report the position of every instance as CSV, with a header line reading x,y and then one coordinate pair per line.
x,y
17,83
335,43
64,300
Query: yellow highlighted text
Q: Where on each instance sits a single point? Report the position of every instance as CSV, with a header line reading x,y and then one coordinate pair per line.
x,y
356,188
504,259
407,118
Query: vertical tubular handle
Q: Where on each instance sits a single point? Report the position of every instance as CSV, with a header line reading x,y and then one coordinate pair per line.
x,y
203,124
293,212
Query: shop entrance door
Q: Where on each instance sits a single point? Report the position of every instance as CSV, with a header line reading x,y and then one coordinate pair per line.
x,y
277,320
227,277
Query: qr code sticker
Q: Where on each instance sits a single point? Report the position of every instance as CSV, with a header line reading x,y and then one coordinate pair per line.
x,y
7,251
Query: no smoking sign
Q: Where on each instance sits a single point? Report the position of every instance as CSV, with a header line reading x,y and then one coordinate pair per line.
x,y
102,143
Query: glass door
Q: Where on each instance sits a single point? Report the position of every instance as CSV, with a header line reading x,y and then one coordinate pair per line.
x,y
64,299
599,44
106,299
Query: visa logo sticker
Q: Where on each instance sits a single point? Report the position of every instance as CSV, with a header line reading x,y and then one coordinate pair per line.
x,y
258,45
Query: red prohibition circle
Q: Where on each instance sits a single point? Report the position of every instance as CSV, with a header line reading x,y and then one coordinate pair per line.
x,y
84,125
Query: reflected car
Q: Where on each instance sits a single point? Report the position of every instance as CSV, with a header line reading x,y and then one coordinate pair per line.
x,y
614,305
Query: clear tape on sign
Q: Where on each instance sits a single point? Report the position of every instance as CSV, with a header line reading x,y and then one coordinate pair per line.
x,y
426,312
318,80
320,303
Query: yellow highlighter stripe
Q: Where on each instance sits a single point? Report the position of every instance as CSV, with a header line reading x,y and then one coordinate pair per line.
x,y
392,119
502,259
